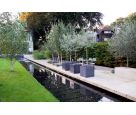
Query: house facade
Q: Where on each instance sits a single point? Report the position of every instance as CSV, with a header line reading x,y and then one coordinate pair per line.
x,y
104,33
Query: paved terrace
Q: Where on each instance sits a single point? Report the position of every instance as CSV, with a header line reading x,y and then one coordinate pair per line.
x,y
103,79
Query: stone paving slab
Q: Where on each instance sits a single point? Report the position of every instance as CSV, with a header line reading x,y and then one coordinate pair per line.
x,y
102,79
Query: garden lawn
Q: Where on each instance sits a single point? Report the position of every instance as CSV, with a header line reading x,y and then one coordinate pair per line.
x,y
20,85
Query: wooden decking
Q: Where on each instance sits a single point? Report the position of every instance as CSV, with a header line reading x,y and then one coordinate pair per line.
x,y
102,79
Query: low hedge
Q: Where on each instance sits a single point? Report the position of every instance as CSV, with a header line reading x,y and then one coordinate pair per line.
x,y
39,54
102,55
42,54
98,51
47,54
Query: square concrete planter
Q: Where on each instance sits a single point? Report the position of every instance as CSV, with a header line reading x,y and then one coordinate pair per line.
x,y
19,57
75,68
87,70
66,65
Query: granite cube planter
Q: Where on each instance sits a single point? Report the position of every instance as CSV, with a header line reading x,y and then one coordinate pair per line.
x,y
75,68
66,65
19,57
87,70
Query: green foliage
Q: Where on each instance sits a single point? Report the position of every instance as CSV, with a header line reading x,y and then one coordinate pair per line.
x,y
41,22
12,36
64,38
102,55
123,43
45,19
20,86
39,54
100,52
69,41
47,54
118,23
54,38
131,17
43,54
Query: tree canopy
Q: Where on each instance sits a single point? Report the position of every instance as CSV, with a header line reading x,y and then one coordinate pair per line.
x,y
123,43
41,22
12,37
119,22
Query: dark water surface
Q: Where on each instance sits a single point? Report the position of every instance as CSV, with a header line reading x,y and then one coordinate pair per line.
x,y
66,89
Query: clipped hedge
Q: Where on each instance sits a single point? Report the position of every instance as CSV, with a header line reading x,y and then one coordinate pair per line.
x,y
39,54
47,54
100,52
42,54
102,55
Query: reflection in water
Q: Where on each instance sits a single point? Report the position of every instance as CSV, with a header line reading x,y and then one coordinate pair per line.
x,y
63,88
67,82
63,80
71,84
83,90
31,68
104,99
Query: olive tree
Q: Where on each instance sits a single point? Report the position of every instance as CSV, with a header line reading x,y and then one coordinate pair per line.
x,y
123,43
68,44
87,39
70,40
12,38
54,38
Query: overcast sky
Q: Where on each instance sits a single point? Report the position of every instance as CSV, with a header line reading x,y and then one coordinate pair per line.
x,y
108,18
116,9
112,9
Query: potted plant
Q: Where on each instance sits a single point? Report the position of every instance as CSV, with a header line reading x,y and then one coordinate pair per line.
x,y
88,39
75,68
68,45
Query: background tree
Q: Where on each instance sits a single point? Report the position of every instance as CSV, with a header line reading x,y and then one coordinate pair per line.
x,y
131,17
12,37
87,40
119,22
70,41
41,22
123,43
54,39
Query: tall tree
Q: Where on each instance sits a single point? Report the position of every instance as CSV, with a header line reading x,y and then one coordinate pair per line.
x,y
70,40
12,37
54,39
117,24
131,17
40,22
123,43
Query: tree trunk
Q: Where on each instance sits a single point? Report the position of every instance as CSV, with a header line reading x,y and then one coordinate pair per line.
x,y
75,56
3,64
11,65
67,56
61,58
58,58
70,56
82,62
86,55
127,61
52,57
